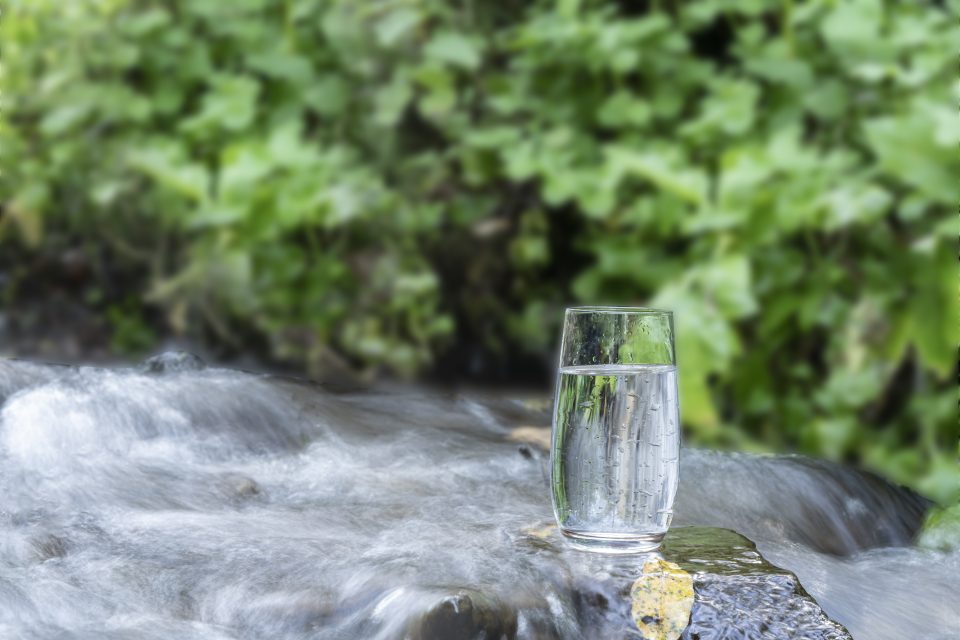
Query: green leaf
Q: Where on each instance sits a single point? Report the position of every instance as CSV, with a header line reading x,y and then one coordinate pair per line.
x,y
828,99
834,436
862,203
622,109
452,48
492,137
392,100
688,184
396,25
935,310
852,30
229,104
242,167
848,390
345,203
730,108
441,93
65,117
728,282
329,95
215,216
776,63
287,147
706,344
908,150
145,22
283,65
166,165
941,531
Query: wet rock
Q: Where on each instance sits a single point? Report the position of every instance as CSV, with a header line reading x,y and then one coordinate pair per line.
x,y
738,594
239,487
824,506
173,361
48,546
466,614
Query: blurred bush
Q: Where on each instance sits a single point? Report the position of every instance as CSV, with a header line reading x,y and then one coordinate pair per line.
x,y
401,183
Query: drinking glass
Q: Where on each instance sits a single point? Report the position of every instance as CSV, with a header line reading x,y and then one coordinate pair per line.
x,y
616,429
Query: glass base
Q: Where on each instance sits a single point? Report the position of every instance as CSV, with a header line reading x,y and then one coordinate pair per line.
x,y
614,543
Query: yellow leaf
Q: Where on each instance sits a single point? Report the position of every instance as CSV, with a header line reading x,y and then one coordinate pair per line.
x,y
661,598
538,436
540,531
26,211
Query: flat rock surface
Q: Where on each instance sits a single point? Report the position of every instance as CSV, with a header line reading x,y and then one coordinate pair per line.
x,y
741,595
737,593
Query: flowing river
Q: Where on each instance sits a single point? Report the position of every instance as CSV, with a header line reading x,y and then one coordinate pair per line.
x,y
177,501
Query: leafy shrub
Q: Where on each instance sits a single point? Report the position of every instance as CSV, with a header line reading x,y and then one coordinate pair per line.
x,y
388,181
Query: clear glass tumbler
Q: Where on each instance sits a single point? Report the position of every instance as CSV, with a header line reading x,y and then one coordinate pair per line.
x,y
616,429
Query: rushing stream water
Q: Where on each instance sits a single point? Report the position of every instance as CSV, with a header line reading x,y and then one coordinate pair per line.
x,y
172,501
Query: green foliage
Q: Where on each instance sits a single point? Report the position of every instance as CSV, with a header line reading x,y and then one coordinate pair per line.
x,y
131,333
942,529
364,179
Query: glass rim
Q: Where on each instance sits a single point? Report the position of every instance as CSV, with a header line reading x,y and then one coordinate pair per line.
x,y
620,310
